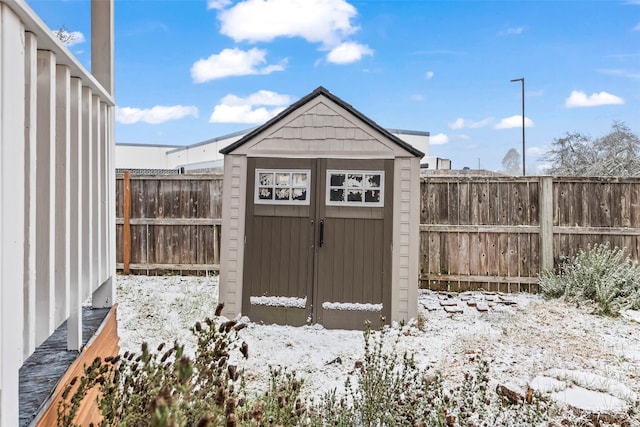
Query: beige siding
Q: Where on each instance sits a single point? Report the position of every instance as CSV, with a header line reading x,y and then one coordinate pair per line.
x,y
321,129
232,239
405,239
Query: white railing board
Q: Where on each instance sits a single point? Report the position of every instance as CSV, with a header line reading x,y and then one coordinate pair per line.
x,y
105,213
74,324
87,186
95,192
62,203
45,197
12,157
31,78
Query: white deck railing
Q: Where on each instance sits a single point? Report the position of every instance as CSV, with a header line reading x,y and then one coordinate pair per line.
x,y
57,178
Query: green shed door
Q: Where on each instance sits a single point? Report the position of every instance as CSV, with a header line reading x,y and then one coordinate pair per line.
x,y
318,241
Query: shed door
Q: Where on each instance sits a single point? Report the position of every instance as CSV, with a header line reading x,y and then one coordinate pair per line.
x,y
353,258
318,241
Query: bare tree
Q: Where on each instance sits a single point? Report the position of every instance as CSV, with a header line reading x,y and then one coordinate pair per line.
x,y
511,162
65,36
615,154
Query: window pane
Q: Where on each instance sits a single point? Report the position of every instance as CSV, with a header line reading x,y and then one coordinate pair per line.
x,y
265,193
337,180
372,181
336,195
299,194
354,181
266,179
283,178
282,194
372,196
299,179
354,196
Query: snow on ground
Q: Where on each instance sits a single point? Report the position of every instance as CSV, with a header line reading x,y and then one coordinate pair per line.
x,y
560,350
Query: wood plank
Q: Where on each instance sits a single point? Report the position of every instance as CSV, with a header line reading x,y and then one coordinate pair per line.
x,y
126,229
474,228
477,279
53,367
171,267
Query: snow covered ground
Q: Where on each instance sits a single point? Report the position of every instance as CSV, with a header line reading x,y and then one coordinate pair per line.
x,y
589,362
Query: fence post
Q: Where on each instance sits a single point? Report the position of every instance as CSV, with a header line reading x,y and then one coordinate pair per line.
x,y
546,223
126,228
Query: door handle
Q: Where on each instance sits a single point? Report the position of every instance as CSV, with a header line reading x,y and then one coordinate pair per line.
x,y
321,233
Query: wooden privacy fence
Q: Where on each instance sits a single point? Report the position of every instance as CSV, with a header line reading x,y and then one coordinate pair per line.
x,y
498,233
494,233
168,223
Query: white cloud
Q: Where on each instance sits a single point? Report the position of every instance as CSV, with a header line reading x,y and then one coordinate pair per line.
x,y
232,62
429,75
461,123
348,52
536,151
514,122
511,31
621,73
262,97
580,99
154,115
252,109
438,139
637,27
416,97
318,21
218,4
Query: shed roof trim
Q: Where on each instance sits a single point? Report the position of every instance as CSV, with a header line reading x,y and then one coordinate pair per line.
x,y
304,100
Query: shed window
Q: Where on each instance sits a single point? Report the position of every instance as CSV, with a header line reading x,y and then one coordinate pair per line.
x,y
355,188
282,186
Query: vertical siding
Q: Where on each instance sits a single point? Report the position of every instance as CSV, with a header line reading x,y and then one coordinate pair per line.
x,y
232,238
405,235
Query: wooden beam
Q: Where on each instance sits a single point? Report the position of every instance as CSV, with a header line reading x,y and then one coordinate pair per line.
x,y
480,279
607,231
126,230
515,229
171,221
194,267
546,223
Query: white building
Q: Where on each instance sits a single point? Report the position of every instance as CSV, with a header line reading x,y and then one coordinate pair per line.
x,y
206,154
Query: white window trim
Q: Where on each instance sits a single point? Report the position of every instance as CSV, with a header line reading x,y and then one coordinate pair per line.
x,y
363,203
259,201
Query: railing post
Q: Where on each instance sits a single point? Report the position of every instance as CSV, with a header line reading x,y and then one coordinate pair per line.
x,y
126,228
12,209
546,223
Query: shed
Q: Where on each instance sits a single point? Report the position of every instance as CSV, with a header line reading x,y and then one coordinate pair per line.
x,y
320,220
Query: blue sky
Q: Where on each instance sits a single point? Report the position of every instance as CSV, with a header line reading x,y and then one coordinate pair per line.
x,y
190,70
